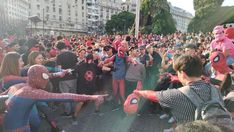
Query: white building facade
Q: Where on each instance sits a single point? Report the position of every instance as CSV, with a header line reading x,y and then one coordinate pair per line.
x,y
99,12
16,10
93,15
129,5
13,11
182,18
109,8
58,16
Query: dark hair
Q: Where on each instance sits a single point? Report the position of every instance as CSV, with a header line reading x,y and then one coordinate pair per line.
x,y
61,46
128,38
107,48
225,86
191,65
10,64
32,42
59,38
191,46
22,42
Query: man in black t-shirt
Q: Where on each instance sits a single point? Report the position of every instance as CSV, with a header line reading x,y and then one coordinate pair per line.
x,y
87,73
67,84
86,81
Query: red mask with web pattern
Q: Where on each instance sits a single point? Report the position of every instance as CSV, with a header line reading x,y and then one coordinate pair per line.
x,y
38,76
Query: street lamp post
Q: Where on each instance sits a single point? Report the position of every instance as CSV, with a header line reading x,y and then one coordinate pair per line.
x,y
137,19
43,22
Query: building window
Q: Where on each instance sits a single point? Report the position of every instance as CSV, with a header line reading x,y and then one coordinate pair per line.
x,y
47,16
47,8
54,17
60,18
60,11
38,7
53,9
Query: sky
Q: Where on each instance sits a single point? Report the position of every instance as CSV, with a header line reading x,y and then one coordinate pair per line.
x,y
188,4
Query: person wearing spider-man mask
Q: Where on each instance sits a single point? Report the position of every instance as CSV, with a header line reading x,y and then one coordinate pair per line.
x,y
223,44
23,96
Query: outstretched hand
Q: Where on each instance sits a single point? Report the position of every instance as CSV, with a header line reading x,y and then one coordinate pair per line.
x,y
99,99
62,73
137,92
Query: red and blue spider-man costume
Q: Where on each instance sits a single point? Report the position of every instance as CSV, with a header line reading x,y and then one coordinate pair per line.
x,y
24,96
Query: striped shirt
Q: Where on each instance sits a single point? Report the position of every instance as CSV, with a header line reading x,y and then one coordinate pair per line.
x,y
179,105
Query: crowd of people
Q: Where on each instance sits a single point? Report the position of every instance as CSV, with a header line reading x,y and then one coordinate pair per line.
x,y
73,69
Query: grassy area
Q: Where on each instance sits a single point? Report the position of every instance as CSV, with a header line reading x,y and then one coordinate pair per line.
x,y
220,16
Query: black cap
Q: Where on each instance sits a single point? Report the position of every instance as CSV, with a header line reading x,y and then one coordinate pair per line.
x,y
107,48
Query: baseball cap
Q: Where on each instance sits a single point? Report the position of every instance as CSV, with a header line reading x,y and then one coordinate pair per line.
x,y
131,104
218,62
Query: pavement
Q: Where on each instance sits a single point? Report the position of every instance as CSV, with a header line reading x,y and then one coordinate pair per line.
x,y
109,120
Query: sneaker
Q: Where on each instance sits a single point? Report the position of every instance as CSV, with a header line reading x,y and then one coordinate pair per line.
x,y
66,114
164,116
168,130
115,107
171,120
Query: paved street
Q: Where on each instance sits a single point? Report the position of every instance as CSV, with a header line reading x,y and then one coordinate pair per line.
x,y
108,120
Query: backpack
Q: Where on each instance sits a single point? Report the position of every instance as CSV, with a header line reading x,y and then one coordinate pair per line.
x,y
206,110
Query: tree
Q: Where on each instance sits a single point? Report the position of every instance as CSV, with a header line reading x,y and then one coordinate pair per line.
x,y
120,22
156,17
203,7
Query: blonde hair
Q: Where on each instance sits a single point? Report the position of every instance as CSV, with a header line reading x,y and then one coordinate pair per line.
x,y
10,64
32,56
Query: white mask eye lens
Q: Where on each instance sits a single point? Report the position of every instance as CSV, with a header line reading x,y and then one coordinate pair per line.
x,y
134,101
216,59
45,76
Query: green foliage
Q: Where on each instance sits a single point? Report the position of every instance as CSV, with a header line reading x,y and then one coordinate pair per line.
x,y
211,19
120,23
158,11
202,7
